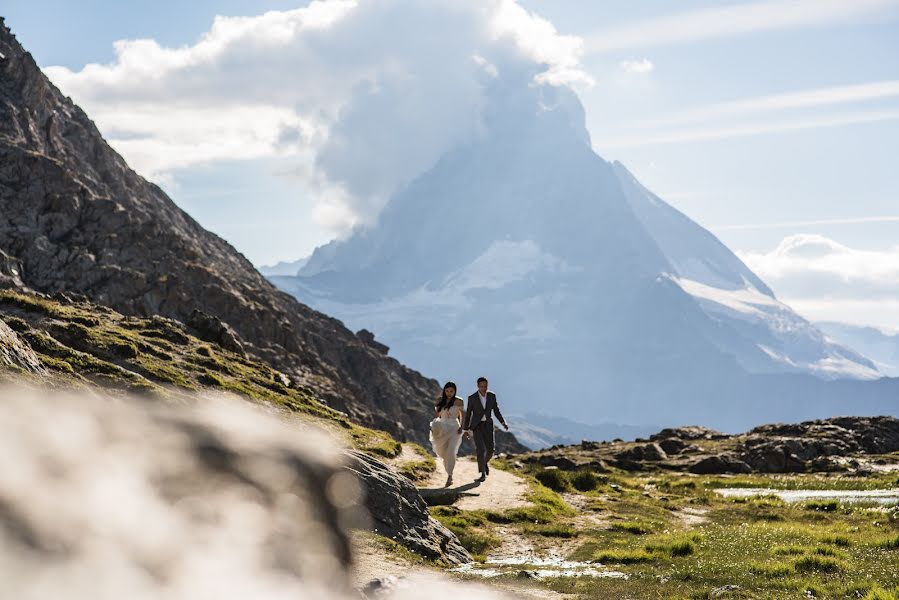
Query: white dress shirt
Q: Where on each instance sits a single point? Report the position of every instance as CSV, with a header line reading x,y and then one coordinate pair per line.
x,y
484,405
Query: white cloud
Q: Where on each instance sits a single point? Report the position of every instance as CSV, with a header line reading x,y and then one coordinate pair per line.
x,y
363,96
736,19
637,66
802,99
824,279
815,223
705,134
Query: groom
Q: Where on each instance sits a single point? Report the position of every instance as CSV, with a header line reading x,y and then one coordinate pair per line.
x,y
481,405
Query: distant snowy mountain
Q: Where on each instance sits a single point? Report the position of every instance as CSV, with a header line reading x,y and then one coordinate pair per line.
x,y
289,268
879,344
524,256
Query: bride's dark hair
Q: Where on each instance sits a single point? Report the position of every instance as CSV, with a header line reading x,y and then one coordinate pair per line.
x,y
445,402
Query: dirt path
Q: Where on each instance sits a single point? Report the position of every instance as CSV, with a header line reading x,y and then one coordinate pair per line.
x,y
501,491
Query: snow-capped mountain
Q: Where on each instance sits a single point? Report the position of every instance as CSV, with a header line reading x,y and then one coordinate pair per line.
x,y
879,344
524,256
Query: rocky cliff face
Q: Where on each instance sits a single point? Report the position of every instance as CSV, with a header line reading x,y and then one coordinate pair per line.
x,y
75,218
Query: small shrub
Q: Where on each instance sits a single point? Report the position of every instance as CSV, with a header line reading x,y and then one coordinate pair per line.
x,y
585,481
632,527
822,505
771,570
624,557
837,540
554,479
823,564
788,550
890,543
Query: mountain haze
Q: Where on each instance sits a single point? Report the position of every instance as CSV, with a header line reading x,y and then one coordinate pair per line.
x,y
525,256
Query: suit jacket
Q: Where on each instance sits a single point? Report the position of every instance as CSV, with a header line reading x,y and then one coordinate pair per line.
x,y
475,411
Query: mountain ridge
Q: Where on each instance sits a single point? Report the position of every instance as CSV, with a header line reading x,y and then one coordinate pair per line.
x,y
75,218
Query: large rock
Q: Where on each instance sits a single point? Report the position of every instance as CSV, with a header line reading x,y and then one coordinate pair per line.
x,y
400,513
109,499
15,352
689,432
651,452
212,329
719,463
75,218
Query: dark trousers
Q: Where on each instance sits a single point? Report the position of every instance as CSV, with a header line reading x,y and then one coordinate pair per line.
x,y
483,443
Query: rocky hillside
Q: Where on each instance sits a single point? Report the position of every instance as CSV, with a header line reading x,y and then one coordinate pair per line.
x,y
852,444
73,344
75,218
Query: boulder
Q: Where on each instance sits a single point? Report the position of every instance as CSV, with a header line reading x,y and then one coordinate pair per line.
x,y
368,338
129,499
650,452
400,513
689,432
719,463
673,446
212,329
15,353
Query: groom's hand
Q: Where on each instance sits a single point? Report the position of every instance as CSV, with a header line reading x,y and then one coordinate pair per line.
x,y
506,427
467,435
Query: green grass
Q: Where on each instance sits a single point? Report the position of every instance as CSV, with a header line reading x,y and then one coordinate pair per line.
x,y
472,529
623,557
632,527
822,505
680,545
824,564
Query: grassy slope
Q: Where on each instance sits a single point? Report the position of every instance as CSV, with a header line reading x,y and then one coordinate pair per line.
x,y
86,344
766,547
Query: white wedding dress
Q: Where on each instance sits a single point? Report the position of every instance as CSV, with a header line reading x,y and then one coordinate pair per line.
x,y
445,436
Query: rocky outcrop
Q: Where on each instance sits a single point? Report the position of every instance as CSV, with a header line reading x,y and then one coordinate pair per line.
x,y
836,444
213,329
16,353
689,432
368,338
719,463
75,218
139,500
399,512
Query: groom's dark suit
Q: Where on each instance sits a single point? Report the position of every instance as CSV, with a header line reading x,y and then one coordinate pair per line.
x,y
481,427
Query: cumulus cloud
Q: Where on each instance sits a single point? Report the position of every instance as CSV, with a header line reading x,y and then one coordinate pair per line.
x,y
362,96
825,279
643,65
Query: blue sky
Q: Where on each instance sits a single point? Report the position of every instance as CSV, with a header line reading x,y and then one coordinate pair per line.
x,y
773,123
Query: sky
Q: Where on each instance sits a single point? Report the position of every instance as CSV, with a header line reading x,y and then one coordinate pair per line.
x,y
773,123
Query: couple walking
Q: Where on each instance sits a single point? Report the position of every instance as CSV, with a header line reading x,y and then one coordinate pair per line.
x,y
453,421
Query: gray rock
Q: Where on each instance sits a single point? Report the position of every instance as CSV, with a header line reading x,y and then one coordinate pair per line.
x,y
174,494
212,329
16,353
650,452
719,463
400,513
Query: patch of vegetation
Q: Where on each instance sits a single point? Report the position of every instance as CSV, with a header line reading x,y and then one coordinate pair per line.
x,y
624,557
890,544
824,564
555,479
418,470
822,505
585,481
681,545
471,527
636,528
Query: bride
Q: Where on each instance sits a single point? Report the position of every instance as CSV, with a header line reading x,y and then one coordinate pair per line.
x,y
446,429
